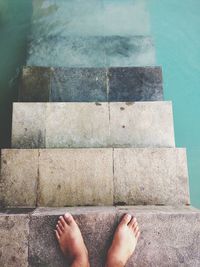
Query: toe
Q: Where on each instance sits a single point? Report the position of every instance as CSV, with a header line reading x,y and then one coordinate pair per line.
x,y
61,226
62,221
58,230
132,222
136,229
126,219
137,234
68,218
135,225
57,235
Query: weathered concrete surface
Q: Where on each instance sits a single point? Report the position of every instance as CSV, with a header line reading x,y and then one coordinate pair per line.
x,y
169,236
77,125
79,85
135,84
97,226
74,177
35,84
40,84
62,125
149,176
28,125
18,180
141,124
68,177
14,231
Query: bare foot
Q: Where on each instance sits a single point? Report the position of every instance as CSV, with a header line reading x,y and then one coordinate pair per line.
x,y
124,242
71,241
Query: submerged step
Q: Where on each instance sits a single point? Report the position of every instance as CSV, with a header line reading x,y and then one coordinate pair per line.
x,y
169,235
62,125
74,177
40,84
92,51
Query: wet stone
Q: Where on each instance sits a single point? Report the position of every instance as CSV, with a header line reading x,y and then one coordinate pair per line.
x,y
79,85
91,84
135,84
128,51
14,231
76,51
93,51
35,84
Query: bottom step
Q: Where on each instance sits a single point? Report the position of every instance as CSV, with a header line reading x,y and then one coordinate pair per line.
x,y
169,236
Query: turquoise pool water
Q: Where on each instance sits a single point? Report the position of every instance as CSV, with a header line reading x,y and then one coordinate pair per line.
x,y
174,26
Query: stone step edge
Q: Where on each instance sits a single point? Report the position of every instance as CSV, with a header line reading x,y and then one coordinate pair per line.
x,y
100,129
96,68
141,209
174,229
34,193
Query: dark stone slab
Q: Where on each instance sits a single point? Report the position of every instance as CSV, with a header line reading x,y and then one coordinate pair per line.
x,y
78,85
35,84
97,226
135,84
91,84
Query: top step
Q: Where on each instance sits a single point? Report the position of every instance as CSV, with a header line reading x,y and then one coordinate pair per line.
x,y
91,50
122,84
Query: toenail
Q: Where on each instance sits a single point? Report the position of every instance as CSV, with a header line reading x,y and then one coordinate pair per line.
x,y
128,216
67,215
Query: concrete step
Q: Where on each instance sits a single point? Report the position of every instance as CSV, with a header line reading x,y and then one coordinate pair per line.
x,y
78,177
118,124
40,84
91,51
169,235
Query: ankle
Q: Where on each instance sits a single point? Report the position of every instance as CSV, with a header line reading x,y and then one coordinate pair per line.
x,y
81,261
113,262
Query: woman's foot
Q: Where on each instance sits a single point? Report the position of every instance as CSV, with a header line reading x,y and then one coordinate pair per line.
x,y
71,241
124,242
